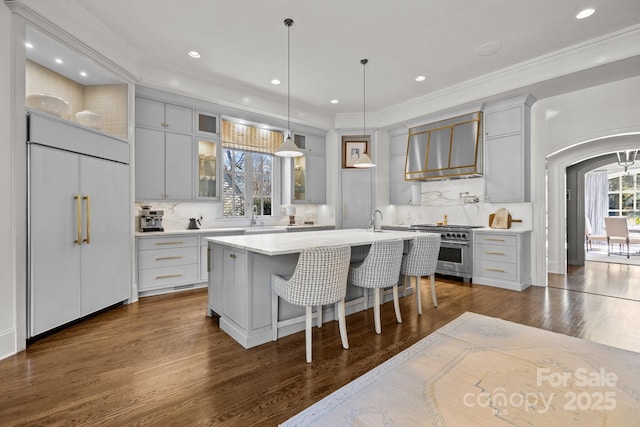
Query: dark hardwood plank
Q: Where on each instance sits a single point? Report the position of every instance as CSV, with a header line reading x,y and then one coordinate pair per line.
x,y
161,361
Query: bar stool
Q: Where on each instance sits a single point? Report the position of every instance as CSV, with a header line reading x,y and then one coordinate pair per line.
x,y
320,278
380,269
421,260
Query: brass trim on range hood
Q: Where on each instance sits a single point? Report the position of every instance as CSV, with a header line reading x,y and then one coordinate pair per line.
x,y
445,149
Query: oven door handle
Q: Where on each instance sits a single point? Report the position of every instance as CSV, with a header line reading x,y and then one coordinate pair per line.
x,y
453,242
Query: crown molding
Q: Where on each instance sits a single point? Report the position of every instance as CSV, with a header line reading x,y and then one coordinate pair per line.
x,y
610,48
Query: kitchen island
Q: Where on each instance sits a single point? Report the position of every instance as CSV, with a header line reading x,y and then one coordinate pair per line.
x,y
240,269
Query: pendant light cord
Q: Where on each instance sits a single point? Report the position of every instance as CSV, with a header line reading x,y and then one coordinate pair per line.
x,y
364,97
288,22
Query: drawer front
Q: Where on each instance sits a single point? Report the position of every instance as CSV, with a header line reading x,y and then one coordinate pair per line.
x,y
496,239
496,270
168,257
152,278
166,242
498,253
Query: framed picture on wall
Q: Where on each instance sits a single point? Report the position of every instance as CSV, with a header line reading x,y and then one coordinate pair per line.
x,y
353,148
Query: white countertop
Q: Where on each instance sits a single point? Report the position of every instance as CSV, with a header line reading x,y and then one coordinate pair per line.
x,y
513,229
289,243
226,229
518,230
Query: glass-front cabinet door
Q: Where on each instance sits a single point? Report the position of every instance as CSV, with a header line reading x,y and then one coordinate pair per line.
x,y
207,170
299,179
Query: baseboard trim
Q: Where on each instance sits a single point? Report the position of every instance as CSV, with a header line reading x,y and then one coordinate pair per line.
x,y
7,343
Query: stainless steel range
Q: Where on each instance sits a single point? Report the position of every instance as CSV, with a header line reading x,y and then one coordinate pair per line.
x,y
456,248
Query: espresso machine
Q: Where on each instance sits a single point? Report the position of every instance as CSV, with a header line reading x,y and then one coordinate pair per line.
x,y
150,219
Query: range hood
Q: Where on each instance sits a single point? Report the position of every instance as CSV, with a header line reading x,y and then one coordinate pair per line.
x,y
450,148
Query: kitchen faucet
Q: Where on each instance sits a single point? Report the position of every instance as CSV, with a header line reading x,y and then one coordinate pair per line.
x,y
372,224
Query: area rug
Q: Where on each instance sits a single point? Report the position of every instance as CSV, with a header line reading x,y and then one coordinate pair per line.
x,y
482,371
600,255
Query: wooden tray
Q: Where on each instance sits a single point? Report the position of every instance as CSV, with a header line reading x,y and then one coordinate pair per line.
x,y
509,220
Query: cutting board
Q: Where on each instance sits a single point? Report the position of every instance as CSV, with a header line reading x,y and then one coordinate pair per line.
x,y
509,220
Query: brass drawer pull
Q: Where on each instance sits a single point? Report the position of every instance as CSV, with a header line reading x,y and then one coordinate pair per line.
x,y
497,270
494,253
232,255
169,243
168,276
168,257
493,239
87,198
78,198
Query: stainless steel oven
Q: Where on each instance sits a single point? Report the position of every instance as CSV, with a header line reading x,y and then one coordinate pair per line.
x,y
456,249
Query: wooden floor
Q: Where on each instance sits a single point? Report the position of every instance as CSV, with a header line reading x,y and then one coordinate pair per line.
x,y
162,362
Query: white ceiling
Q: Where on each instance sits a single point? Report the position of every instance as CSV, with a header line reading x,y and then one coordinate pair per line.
x,y
243,43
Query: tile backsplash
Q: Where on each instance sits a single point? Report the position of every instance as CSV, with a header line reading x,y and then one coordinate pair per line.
x,y
462,200
177,214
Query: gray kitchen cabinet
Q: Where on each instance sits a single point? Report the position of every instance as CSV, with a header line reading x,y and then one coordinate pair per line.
x,y
309,171
160,115
167,263
401,191
507,172
164,151
79,227
356,197
501,258
235,285
164,165
205,251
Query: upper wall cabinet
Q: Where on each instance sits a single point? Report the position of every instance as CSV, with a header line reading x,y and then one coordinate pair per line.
x,y
164,151
309,171
401,191
507,150
163,116
208,124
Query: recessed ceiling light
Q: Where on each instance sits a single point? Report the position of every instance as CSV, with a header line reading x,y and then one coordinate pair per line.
x,y
83,73
488,48
28,45
58,61
275,82
334,101
420,78
194,54
585,13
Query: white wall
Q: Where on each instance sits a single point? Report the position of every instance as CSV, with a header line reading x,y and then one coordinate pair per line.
x,y
566,129
7,278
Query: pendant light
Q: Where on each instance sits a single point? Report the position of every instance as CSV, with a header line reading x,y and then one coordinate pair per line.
x,y
364,161
288,147
626,159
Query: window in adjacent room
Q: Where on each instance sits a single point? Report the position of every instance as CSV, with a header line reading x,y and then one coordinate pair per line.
x,y
624,195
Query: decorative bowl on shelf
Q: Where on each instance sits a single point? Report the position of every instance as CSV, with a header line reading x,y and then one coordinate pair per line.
x,y
47,103
89,119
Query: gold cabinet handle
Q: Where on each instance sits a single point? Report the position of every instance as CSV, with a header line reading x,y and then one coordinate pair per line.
x,y
493,239
78,240
232,255
498,270
494,253
164,258
168,276
87,198
208,259
169,243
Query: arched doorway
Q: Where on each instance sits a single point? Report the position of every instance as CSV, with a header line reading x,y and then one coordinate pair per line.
x,y
557,165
